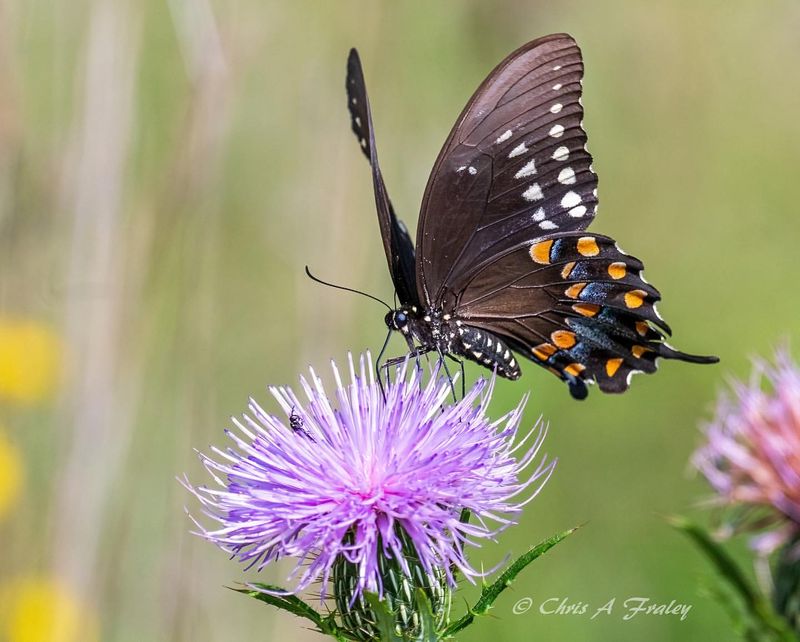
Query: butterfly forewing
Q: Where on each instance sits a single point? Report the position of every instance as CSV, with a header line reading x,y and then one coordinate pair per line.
x,y
396,241
514,168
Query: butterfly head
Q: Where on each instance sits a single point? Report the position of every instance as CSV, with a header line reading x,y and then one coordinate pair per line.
x,y
397,320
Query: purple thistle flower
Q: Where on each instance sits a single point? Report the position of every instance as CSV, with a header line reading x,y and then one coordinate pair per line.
x,y
752,456
355,478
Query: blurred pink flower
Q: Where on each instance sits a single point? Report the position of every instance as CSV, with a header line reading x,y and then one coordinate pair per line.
x,y
752,454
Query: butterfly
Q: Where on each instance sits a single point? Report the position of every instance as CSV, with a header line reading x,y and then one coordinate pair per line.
x,y
503,263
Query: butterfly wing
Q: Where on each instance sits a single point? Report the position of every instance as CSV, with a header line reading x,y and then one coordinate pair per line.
x,y
514,167
501,241
396,241
576,304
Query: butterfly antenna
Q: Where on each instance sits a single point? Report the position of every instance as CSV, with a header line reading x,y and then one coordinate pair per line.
x,y
341,287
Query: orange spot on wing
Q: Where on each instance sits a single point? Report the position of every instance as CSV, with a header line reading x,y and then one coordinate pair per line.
x,y
635,298
586,309
642,327
563,339
612,365
587,246
575,369
574,291
618,270
544,351
638,351
540,252
567,269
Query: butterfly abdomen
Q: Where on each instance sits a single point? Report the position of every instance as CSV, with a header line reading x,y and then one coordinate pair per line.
x,y
486,349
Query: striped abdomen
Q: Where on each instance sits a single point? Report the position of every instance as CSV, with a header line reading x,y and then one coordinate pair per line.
x,y
486,349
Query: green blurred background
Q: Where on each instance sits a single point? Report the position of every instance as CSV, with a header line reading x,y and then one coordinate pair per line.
x,y
167,168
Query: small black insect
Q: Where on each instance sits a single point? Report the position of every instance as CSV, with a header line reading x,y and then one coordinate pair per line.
x,y
297,424
503,262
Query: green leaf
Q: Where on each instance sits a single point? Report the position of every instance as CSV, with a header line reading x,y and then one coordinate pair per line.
x,y
427,622
769,626
295,606
491,592
384,618
786,590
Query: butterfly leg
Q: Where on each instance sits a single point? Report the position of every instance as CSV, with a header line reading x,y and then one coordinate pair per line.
x,y
378,364
415,353
443,361
460,363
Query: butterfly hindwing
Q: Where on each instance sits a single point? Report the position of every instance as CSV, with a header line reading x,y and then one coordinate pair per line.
x,y
576,304
514,167
396,241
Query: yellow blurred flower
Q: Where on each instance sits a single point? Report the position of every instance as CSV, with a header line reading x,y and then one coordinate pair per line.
x,y
43,610
30,360
11,470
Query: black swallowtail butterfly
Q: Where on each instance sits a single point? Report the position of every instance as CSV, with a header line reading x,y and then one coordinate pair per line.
x,y
503,260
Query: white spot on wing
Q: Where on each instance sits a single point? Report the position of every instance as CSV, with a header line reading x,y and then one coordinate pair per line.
x,y
504,136
566,176
472,170
539,215
561,154
358,121
534,193
548,225
578,211
571,199
557,86
556,108
519,149
557,67
527,170
556,131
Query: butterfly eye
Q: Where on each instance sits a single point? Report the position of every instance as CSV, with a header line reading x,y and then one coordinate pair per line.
x,y
396,320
